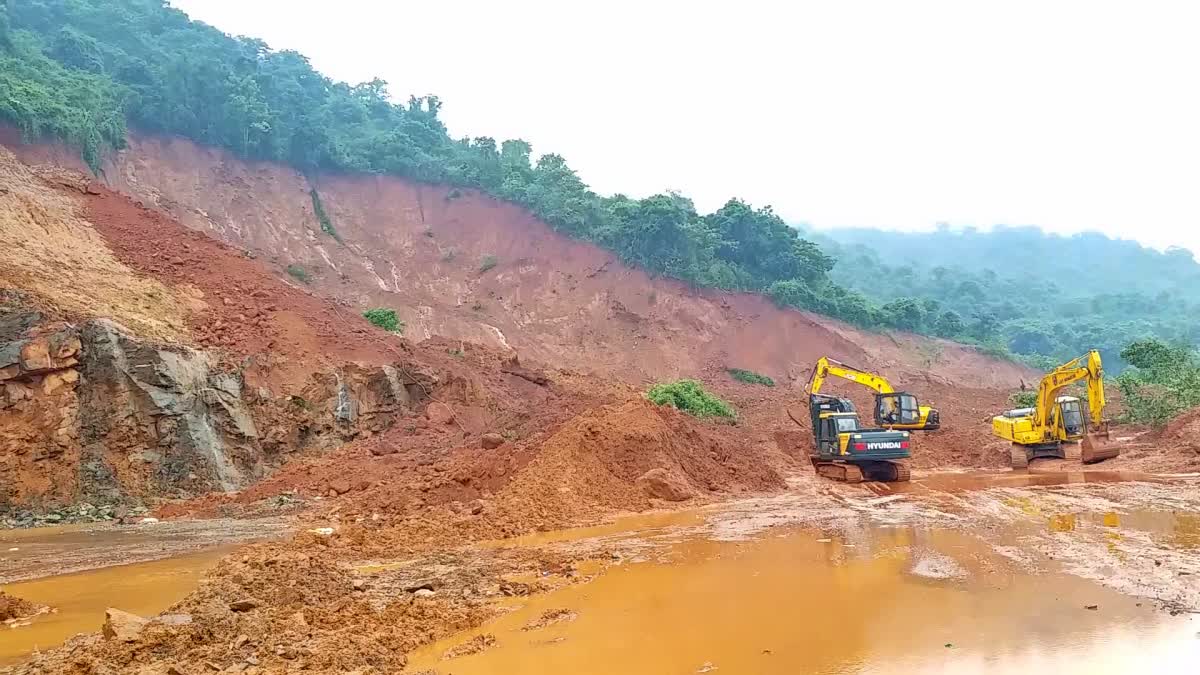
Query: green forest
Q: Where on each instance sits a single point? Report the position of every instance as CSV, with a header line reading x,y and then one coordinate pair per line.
x,y
1046,298
84,71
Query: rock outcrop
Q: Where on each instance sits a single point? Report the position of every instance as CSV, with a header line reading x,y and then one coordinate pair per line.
x,y
93,413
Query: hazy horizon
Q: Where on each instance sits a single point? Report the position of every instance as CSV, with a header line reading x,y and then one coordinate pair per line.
x,y
1070,117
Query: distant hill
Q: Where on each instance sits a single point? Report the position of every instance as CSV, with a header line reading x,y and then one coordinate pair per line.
x,y
1051,295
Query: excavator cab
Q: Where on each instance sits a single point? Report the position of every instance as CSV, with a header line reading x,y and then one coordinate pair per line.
x,y
1071,420
896,409
902,410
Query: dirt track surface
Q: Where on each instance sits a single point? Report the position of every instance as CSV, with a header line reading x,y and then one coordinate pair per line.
x,y
43,552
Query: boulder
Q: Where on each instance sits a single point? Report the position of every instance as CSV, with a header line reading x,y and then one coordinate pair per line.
x,y
439,413
491,441
340,485
662,484
122,626
243,605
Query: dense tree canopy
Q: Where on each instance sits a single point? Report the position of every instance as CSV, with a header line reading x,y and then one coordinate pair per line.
x,y
81,70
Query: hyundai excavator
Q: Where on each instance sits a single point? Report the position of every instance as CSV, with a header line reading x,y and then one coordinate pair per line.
x,y
843,449
893,409
1056,423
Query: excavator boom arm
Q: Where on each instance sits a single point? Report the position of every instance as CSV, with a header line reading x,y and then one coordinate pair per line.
x,y
828,367
1086,367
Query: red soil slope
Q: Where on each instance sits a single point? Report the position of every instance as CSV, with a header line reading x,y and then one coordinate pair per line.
x,y
418,249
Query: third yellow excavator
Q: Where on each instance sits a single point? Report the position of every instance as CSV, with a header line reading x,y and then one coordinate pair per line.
x,y
1052,426
893,409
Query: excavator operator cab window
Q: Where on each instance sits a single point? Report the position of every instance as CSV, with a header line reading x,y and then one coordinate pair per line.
x,y
1072,416
897,409
846,424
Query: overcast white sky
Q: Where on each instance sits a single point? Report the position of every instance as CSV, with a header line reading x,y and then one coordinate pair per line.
x,y
1070,115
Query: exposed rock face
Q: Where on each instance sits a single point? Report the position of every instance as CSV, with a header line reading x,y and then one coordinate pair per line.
x,y
165,408
92,413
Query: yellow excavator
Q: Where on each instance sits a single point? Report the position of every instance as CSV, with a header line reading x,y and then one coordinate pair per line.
x,y
893,409
1055,423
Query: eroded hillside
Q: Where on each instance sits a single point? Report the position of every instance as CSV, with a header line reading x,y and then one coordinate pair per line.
x,y
422,250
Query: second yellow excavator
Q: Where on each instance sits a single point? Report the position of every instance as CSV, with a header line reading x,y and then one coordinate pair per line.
x,y
893,409
1055,423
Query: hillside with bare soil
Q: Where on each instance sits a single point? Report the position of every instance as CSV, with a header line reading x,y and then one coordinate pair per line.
x,y
422,250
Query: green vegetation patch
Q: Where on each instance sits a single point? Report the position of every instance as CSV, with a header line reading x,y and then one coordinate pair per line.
x,y
299,274
385,319
690,397
750,377
323,217
1164,381
1023,399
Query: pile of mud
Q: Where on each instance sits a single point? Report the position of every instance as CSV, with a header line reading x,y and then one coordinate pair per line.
x,y
581,458
14,609
1173,449
618,458
293,608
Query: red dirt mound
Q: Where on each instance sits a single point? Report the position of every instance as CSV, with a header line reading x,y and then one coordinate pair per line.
x,y
1174,449
13,608
246,308
596,461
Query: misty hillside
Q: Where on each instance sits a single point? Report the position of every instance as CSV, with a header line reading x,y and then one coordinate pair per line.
x,y
1050,294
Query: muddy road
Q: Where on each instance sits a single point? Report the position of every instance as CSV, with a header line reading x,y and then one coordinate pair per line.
x,y
959,572
955,572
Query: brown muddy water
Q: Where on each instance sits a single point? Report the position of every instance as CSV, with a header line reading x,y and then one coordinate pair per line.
x,y
873,600
81,570
956,573
79,599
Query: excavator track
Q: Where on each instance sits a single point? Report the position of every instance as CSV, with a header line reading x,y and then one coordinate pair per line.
x,y
1019,457
845,473
882,471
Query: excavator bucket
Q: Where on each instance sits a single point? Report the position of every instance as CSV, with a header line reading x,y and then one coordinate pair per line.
x,y
1098,446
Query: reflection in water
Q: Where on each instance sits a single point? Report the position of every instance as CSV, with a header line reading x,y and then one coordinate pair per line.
x,y
1062,522
867,599
1186,531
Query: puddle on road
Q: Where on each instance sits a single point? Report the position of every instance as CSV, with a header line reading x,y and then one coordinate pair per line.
x,y
144,589
895,584
874,600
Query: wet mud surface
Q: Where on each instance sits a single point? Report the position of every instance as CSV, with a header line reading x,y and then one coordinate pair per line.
x,y
48,551
954,572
